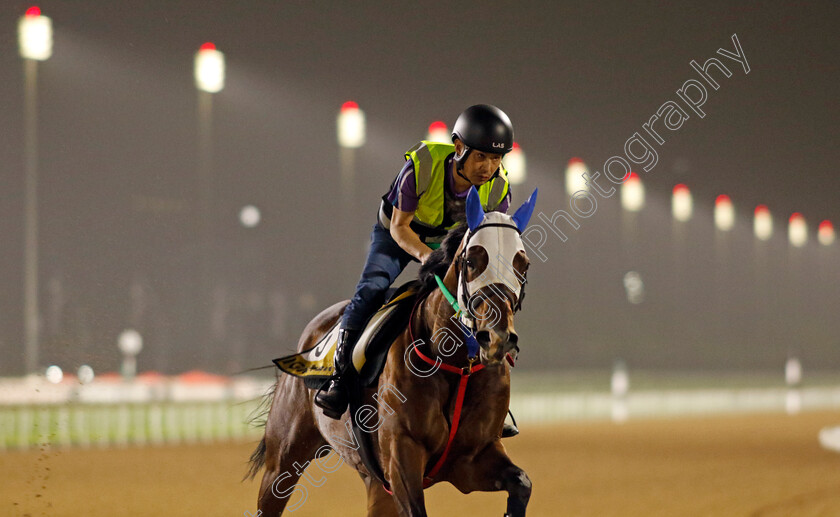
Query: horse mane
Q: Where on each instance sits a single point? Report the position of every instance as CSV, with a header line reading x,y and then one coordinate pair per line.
x,y
440,260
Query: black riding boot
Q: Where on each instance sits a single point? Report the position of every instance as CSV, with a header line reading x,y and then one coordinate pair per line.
x,y
333,398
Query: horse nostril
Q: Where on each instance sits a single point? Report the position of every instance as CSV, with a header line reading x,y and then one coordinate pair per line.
x,y
513,340
483,337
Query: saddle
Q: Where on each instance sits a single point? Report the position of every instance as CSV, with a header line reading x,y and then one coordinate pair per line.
x,y
315,365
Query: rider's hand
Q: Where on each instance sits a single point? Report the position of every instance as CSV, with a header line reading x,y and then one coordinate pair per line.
x,y
406,238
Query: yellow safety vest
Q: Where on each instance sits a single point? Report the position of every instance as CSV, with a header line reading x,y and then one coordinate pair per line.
x,y
429,159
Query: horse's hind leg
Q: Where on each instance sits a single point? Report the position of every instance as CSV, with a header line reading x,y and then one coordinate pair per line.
x,y
379,502
291,440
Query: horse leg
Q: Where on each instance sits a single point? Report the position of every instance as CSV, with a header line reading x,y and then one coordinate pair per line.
x,y
405,462
380,502
291,440
490,471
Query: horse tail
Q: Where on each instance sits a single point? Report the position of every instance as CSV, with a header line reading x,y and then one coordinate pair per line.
x,y
257,460
258,418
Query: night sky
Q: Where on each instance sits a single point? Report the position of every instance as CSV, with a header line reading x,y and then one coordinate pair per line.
x,y
118,159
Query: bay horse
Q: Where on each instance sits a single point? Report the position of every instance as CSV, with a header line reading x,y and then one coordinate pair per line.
x,y
423,396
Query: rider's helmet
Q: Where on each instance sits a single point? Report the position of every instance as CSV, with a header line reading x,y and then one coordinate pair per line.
x,y
483,127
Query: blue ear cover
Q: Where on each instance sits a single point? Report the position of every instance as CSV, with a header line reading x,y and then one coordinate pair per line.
x,y
523,213
475,213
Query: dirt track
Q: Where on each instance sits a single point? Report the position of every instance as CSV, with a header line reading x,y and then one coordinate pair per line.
x,y
765,465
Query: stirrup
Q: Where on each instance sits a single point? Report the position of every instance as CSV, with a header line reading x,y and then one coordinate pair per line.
x,y
510,430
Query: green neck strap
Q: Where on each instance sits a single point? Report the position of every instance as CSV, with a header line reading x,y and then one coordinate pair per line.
x,y
451,299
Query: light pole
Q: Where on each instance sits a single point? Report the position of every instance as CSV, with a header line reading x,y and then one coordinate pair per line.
x,y
763,231
797,230
682,204
350,126
516,168
763,223
35,42
438,132
632,193
825,233
797,238
209,71
724,213
575,181
724,216
351,136
632,202
682,210
828,296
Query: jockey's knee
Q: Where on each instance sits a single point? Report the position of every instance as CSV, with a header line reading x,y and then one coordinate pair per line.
x,y
372,290
368,298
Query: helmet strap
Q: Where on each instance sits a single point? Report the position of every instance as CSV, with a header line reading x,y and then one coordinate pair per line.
x,y
458,171
460,161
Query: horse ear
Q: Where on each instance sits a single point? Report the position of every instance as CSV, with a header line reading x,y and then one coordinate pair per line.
x,y
523,213
475,213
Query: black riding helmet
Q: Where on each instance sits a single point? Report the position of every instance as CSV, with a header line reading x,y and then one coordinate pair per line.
x,y
483,127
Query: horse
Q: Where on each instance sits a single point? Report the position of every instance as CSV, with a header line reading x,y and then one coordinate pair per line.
x,y
424,409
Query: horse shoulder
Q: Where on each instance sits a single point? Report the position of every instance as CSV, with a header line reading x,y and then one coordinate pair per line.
x,y
485,409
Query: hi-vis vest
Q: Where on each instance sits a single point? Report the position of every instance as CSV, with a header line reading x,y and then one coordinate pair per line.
x,y
429,175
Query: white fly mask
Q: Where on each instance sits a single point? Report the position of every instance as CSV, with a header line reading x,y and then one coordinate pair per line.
x,y
499,235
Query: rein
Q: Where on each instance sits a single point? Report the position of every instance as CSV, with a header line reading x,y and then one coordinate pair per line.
x,y
472,343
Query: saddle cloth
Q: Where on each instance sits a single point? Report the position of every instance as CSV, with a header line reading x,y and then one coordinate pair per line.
x,y
315,365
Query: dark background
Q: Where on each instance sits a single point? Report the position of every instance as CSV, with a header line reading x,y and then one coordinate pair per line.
x,y
119,240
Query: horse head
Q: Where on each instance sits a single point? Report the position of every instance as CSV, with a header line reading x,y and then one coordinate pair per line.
x,y
492,270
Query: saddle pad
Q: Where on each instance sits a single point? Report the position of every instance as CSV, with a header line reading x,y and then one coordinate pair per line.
x,y
315,365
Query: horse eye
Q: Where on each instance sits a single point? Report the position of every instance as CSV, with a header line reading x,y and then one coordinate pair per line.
x,y
469,263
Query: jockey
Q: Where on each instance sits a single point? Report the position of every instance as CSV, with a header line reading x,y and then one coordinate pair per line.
x,y
425,201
